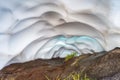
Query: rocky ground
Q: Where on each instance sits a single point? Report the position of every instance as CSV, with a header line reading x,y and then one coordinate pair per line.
x,y
97,66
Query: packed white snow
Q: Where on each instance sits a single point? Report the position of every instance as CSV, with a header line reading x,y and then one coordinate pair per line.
x,y
32,29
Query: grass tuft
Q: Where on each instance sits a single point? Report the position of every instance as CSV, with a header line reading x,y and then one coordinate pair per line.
x,y
73,76
70,56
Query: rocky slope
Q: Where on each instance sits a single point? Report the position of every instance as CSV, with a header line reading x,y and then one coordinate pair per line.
x,y
99,66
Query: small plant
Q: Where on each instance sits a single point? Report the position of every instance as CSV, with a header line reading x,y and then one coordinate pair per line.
x,y
73,76
77,76
70,56
47,77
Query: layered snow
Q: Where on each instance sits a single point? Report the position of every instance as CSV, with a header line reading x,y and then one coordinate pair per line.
x,y
32,29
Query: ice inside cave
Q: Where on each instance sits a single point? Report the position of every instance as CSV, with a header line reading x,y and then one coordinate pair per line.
x,y
32,29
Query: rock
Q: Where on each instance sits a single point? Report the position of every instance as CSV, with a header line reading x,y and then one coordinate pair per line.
x,y
99,66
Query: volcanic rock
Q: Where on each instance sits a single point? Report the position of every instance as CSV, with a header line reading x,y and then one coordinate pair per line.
x,y
98,66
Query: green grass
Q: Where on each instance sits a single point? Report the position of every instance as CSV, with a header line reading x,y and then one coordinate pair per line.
x,y
70,56
73,76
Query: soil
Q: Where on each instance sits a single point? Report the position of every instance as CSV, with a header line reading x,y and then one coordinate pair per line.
x,y
99,66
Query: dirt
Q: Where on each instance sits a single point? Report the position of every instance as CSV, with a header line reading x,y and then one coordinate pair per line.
x,y
99,66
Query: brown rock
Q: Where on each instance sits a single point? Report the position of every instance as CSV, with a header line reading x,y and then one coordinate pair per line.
x,y
104,66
